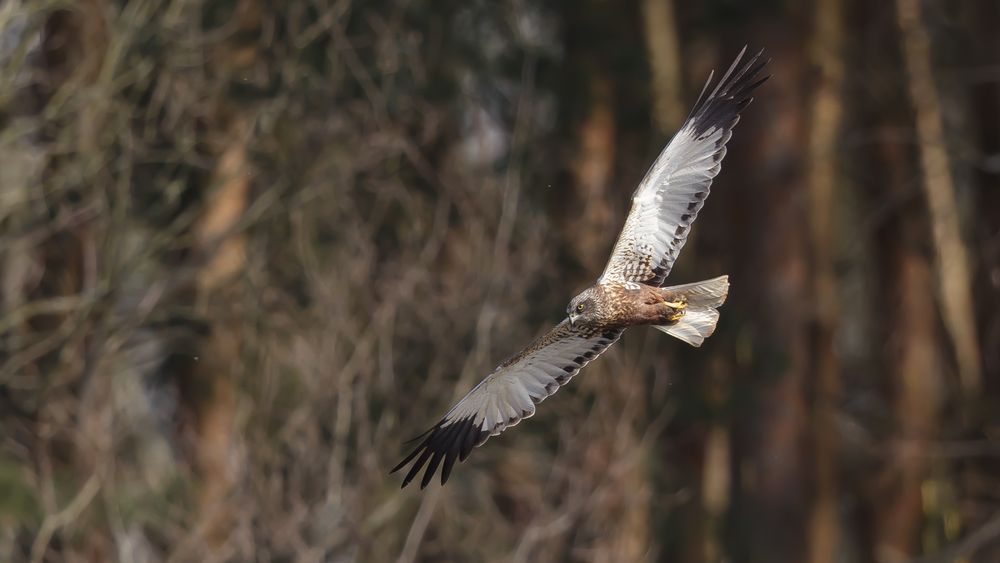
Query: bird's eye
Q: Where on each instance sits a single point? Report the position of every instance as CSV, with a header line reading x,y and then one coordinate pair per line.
x,y
580,308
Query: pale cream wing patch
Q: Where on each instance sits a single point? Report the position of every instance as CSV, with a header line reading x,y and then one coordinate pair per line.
x,y
506,396
674,189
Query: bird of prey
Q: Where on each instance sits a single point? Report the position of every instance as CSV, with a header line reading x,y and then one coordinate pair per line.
x,y
630,292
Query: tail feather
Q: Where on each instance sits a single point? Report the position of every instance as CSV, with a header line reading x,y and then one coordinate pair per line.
x,y
694,327
700,316
708,293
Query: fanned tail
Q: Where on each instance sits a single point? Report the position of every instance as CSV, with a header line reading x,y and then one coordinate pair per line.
x,y
700,316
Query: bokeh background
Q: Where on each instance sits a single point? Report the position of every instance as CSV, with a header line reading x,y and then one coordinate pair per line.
x,y
248,248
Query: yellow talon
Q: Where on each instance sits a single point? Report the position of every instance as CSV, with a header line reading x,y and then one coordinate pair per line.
x,y
678,305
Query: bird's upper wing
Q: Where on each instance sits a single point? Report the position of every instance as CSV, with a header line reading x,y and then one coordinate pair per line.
x,y
506,396
668,199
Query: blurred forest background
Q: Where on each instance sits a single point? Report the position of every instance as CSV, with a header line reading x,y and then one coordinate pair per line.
x,y
248,248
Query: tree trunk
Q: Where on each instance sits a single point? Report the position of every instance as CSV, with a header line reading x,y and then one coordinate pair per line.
x,y
822,180
216,368
913,367
220,248
769,207
954,285
664,50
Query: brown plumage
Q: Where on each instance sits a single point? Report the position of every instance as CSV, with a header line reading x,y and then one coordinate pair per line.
x,y
621,305
628,293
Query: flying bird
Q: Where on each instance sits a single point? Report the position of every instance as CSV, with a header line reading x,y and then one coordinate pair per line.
x,y
630,292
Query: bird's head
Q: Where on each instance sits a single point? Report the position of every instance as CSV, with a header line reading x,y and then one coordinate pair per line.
x,y
583,307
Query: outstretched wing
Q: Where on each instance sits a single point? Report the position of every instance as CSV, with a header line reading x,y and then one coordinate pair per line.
x,y
668,199
506,396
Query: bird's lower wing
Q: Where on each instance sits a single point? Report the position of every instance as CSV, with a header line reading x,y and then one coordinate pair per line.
x,y
505,397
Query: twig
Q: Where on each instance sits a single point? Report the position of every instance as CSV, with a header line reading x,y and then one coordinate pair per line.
x,y
64,517
987,533
419,526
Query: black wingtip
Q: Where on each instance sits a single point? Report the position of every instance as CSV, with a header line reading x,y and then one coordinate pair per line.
x,y
449,443
731,93
421,435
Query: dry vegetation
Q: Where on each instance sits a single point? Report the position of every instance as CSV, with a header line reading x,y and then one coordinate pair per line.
x,y
246,250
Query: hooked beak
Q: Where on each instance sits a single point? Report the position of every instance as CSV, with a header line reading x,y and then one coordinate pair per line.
x,y
572,320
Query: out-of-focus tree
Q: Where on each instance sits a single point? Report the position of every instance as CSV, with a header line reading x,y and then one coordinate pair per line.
x,y
823,178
